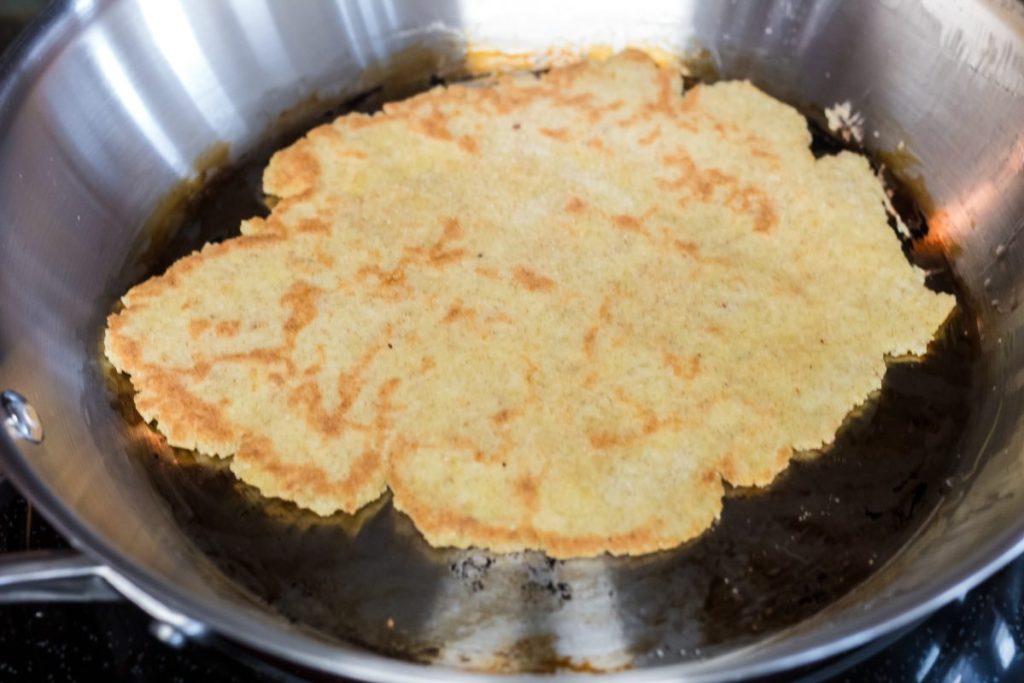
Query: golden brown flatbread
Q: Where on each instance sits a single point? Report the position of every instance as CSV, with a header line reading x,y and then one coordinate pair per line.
x,y
553,312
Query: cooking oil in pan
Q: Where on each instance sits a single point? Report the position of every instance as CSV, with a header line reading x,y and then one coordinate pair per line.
x,y
776,556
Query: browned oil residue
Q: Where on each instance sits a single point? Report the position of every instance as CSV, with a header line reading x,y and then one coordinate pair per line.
x,y
173,208
538,655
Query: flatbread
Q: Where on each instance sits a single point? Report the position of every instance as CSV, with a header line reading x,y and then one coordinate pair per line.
x,y
551,312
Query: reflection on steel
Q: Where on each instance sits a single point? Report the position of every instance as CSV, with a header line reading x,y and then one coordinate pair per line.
x,y
20,418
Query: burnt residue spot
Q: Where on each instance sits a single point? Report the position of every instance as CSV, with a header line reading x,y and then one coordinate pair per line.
x,y
533,654
690,82
368,101
472,570
942,280
543,582
824,143
560,589
699,68
538,654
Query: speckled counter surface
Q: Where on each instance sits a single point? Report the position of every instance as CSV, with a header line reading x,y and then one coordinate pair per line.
x,y
80,642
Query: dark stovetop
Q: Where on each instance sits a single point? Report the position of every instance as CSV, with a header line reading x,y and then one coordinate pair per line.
x,y
977,638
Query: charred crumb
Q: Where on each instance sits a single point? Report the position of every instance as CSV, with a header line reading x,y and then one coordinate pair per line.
x,y
365,101
941,280
689,82
699,68
559,589
543,580
461,78
472,569
824,143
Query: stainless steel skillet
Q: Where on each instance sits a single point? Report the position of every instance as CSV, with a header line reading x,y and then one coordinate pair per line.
x,y
110,104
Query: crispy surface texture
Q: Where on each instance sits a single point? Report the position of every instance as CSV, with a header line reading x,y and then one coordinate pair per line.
x,y
548,313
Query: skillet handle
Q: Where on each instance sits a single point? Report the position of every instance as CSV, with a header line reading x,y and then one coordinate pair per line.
x,y
53,576
68,576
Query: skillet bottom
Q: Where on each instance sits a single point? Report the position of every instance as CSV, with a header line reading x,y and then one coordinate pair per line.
x,y
775,557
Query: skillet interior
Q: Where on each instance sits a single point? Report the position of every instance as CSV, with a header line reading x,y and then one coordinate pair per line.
x,y
776,557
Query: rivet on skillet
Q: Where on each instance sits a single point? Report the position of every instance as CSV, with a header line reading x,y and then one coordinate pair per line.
x,y
168,634
20,418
